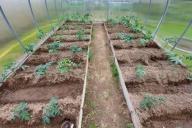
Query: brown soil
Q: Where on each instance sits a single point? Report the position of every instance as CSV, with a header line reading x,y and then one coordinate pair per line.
x,y
27,78
115,36
167,75
71,32
37,94
117,29
135,55
69,111
104,106
174,112
68,38
43,58
65,46
120,44
75,27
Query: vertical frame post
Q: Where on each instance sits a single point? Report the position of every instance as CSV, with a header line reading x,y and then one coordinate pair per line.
x,y
149,11
182,34
162,18
11,29
48,14
33,16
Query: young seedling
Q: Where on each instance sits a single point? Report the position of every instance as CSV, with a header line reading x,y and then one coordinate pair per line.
x,y
147,37
7,68
130,125
150,101
54,47
40,34
42,69
51,110
21,111
140,71
65,65
173,57
75,49
125,37
85,18
29,48
80,34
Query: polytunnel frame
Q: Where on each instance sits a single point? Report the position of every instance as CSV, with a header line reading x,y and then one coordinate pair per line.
x,y
182,35
26,55
33,16
11,29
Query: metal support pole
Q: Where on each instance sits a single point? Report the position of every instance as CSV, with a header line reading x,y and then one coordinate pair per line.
x,y
33,16
149,11
61,7
162,18
108,9
48,15
55,2
12,30
182,34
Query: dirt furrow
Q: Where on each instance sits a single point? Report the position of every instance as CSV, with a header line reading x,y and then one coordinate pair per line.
x,y
105,106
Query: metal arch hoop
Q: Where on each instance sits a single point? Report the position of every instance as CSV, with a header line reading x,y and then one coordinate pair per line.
x,y
12,30
33,16
162,18
182,34
149,11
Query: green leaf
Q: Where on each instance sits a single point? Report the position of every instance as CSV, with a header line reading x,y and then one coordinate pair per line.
x,y
21,112
139,70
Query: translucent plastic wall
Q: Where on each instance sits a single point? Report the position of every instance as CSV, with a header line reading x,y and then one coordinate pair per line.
x,y
20,17
149,12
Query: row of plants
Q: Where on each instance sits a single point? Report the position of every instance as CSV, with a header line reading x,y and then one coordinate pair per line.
x,y
63,66
127,29
53,47
51,110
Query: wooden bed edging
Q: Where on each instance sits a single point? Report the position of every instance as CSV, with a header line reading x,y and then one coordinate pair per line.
x,y
23,58
85,83
134,116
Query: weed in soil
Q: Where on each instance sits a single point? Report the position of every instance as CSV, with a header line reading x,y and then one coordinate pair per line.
x,y
150,101
114,70
80,34
29,48
173,57
90,55
125,37
65,65
92,125
42,69
75,49
54,47
130,125
139,71
40,34
147,37
51,110
21,111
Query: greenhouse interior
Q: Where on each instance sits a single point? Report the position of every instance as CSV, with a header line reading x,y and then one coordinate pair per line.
x,y
96,64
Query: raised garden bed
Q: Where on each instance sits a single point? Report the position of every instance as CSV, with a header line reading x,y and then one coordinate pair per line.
x,y
48,89
159,89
